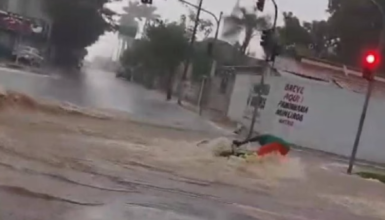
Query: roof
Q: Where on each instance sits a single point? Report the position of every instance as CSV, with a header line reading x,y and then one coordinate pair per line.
x,y
342,76
254,70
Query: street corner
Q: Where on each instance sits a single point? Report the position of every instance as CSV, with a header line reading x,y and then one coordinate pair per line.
x,y
337,167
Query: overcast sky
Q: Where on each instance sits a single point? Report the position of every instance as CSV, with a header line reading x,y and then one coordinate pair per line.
x,y
306,10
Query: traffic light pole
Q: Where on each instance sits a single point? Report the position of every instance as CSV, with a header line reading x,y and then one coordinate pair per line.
x,y
367,97
275,14
262,82
360,126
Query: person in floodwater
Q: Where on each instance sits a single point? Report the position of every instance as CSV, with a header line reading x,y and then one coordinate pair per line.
x,y
269,144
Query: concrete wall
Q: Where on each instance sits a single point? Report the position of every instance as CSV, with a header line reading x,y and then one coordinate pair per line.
x,y
218,93
328,120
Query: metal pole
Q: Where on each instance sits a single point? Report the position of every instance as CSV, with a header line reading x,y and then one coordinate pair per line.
x,y
217,30
218,20
256,107
187,62
368,94
262,82
275,15
274,25
360,126
203,9
213,63
201,91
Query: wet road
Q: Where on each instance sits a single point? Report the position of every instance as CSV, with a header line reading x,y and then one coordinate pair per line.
x,y
99,89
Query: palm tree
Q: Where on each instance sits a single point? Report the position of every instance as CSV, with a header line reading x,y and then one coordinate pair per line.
x,y
142,12
246,22
134,11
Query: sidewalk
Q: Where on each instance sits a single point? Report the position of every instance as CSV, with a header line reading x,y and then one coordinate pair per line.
x,y
214,118
9,66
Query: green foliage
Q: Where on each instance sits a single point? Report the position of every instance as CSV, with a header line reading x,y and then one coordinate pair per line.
x,y
247,22
205,26
141,11
357,24
77,24
353,26
306,39
371,175
201,62
167,44
159,52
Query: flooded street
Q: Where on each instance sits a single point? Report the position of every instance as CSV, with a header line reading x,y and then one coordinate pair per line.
x,y
100,89
73,165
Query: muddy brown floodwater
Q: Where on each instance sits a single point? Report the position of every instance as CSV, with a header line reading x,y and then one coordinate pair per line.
x,y
61,162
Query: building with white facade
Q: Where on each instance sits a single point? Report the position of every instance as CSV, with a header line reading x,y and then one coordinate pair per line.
x,y
315,105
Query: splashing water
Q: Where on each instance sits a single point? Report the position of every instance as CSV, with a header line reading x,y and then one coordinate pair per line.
x,y
180,157
202,162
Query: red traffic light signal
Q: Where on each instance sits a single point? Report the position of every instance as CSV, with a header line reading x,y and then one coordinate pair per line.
x,y
371,61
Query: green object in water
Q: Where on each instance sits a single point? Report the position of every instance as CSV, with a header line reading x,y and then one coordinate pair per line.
x,y
268,139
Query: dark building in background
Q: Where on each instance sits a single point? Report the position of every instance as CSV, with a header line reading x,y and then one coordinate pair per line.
x,y
24,23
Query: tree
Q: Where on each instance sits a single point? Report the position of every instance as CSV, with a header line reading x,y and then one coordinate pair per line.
x,y
201,61
247,22
161,51
312,39
205,26
292,32
77,24
128,23
356,26
143,12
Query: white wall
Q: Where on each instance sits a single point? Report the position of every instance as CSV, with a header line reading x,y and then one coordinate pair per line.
x,y
330,123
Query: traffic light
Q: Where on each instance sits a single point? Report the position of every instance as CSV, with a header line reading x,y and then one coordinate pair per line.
x,y
276,50
146,2
260,5
266,38
370,63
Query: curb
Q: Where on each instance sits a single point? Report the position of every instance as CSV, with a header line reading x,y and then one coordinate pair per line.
x,y
189,107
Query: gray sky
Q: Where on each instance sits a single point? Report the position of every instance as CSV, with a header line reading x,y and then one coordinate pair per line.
x,y
306,10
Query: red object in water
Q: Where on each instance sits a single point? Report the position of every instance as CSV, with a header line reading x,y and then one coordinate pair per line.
x,y
273,148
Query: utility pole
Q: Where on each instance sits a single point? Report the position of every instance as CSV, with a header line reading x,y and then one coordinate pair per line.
x,y
210,46
260,7
191,48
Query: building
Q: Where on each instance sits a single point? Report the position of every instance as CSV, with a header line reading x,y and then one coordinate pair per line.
x,y
312,103
23,22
